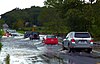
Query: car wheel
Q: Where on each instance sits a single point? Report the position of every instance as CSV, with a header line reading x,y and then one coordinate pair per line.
x,y
89,50
69,50
63,47
30,38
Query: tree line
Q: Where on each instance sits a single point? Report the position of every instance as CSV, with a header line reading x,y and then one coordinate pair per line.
x,y
20,18
73,15
57,16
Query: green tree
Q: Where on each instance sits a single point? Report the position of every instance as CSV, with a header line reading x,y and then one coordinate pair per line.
x,y
88,13
27,15
76,21
70,11
19,24
50,19
96,19
1,33
78,15
46,15
62,6
1,22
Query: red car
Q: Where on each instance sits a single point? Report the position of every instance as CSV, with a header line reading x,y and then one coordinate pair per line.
x,y
50,39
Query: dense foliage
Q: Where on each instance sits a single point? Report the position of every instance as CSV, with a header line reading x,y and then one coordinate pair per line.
x,y
1,34
78,15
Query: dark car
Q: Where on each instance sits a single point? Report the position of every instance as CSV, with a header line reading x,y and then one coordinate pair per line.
x,y
34,35
27,34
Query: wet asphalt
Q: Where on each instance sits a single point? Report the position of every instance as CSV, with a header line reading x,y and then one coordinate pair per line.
x,y
35,52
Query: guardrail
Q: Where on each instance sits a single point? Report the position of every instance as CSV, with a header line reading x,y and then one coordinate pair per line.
x,y
97,44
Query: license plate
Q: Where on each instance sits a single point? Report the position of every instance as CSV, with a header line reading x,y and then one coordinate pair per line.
x,y
82,42
52,40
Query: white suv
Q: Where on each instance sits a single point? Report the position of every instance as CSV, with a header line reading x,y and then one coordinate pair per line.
x,y
78,41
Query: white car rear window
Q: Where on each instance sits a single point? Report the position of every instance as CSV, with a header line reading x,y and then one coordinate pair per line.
x,y
82,35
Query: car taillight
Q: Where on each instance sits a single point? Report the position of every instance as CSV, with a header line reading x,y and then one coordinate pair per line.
x,y
72,40
91,40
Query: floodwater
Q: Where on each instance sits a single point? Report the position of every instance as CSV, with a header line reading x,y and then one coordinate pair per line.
x,y
25,51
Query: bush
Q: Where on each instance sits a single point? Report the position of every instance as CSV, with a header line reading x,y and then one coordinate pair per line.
x,y
8,59
1,33
0,46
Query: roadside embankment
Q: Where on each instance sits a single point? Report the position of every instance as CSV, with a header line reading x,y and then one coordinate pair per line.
x,y
97,46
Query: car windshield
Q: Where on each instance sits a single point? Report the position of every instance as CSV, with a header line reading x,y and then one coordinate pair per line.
x,y
51,36
82,35
12,31
34,33
14,34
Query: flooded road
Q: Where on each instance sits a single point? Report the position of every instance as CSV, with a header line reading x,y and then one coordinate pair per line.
x,y
25,51
21,51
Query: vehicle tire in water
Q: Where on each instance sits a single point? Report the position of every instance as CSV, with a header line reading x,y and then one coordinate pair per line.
x,y
89,50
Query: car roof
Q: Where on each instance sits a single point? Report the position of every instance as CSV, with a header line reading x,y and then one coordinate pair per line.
x,y
50,35
79,32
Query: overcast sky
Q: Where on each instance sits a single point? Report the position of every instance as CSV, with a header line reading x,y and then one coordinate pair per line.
x,y
8,5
